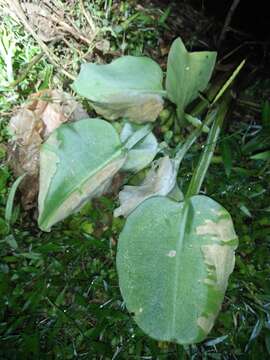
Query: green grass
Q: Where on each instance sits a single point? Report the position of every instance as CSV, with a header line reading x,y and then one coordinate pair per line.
x,y
59,294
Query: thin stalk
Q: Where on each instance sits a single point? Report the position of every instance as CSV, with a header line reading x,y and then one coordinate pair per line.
x,y
206,156
192,138
229,82
210,94
228,20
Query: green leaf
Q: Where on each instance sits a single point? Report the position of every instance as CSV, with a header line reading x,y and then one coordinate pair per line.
x,y
11,196
77,162
142,153
255,332
216,341
187,74
196,122
261,141
11,241
245,210
174,260
129,87
227,156
265,155
229,82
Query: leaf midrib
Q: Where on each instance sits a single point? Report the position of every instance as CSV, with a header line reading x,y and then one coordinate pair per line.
x,y
93,173
179,247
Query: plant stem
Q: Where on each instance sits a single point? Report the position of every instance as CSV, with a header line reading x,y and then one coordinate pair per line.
x,y
192,138
138,136
209,148
228,20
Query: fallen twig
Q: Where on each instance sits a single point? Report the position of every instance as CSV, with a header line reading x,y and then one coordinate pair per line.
x,y
71,30
88,18
227,22
245,43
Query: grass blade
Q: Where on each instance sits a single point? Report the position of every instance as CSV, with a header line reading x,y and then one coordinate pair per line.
x,y
205,159
227,156
228,82
10,200
192,138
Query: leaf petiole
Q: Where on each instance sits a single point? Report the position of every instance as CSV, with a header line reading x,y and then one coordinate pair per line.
x,y
138,136
192,138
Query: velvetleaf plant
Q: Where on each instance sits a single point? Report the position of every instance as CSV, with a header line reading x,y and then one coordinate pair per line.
x,y
176,251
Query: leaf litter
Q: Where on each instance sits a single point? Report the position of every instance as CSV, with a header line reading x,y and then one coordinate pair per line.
x,y
33,122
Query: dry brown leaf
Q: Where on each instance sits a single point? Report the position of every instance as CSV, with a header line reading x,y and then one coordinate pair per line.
x,y
30,126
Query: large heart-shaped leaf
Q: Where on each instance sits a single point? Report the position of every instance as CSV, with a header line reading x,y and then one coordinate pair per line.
x,y
174,260
187,74
76,163
129,87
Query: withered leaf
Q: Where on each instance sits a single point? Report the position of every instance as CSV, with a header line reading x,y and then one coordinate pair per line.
x,y
129,87
30,126
160,180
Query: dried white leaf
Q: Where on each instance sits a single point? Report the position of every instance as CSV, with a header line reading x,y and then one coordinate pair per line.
x,y
160,180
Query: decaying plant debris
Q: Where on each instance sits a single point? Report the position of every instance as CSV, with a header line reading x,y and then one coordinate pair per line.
x,y
30,126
